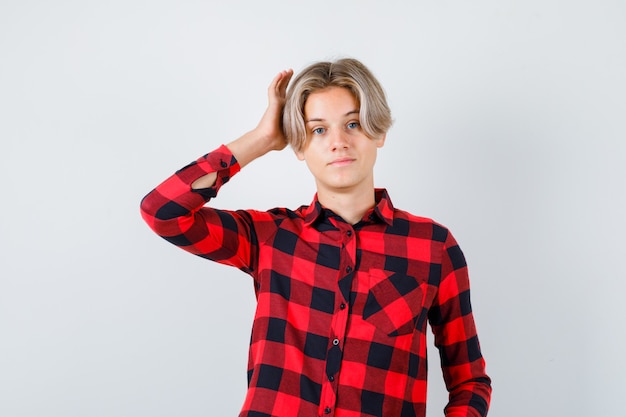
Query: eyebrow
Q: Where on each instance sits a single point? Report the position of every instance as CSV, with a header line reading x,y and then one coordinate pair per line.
x,y
321,120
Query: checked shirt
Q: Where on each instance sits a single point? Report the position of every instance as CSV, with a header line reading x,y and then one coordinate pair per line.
x,y
342,310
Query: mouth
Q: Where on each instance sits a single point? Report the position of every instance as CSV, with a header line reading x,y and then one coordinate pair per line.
x,y
340,162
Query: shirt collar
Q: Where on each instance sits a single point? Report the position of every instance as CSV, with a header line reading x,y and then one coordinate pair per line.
x,y
383,210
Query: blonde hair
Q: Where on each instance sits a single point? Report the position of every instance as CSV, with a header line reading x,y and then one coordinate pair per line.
x,y
374,113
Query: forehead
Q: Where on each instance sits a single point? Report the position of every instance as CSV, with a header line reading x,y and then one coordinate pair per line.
x,y
329,101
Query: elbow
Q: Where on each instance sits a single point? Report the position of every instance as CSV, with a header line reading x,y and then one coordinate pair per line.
x,y
162,215
148,209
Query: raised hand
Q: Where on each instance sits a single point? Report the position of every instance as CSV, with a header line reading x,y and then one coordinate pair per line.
x,y
268,135
269,126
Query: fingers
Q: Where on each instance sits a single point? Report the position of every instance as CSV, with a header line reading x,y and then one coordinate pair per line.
x,y
284,81
278,87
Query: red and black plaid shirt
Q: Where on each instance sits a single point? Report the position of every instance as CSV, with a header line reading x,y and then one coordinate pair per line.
x,y
340,326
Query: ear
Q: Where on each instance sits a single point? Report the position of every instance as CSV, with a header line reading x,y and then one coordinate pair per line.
x,y
299,155
380,142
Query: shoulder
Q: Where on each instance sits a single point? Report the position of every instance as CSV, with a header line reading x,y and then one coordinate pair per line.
x,y
275,216
267,224
419,226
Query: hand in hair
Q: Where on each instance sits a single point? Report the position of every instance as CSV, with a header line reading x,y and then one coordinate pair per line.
x,y
267,136
270,125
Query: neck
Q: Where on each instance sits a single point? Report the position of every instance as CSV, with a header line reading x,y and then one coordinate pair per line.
x,y
350,206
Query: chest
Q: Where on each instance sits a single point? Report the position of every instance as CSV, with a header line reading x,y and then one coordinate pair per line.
x,y
388,280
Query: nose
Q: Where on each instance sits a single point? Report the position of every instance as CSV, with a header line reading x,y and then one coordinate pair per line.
x,y
338,140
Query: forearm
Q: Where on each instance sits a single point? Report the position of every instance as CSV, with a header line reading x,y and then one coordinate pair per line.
x,y
470,399
245,149
174,200
178,214
456,337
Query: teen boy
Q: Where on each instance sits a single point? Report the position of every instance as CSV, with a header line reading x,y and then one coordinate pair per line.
x,y
345,286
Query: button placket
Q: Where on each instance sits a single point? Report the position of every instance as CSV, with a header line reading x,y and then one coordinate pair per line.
x,y
347,246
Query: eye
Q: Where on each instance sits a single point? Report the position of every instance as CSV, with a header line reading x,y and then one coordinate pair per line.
x,y
318,131
354,125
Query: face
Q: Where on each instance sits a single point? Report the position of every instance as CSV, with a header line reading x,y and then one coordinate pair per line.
x,y
338,153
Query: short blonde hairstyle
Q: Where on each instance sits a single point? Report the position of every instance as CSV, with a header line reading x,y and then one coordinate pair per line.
x,y
374,113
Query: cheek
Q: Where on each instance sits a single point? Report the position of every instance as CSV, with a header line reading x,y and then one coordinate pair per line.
x,y
311,164
314,163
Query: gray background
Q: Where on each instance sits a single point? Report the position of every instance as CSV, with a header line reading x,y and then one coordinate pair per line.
x,y
509,128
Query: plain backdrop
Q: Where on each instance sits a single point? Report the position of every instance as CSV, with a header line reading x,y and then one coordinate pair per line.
x,y
509,129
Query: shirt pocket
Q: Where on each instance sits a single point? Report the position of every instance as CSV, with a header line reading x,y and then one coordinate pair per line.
x,y
394,302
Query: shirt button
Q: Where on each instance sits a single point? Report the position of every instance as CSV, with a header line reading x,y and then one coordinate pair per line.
x,y
327,410
342,306
223,164
349,233
348,269
331,378
336,342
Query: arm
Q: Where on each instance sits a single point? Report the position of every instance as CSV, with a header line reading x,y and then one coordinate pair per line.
x,y
175,208
453,325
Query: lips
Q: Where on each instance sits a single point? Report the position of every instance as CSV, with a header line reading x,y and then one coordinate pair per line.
x,y
342,161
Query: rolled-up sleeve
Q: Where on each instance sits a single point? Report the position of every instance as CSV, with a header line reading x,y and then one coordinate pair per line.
x,y
178,213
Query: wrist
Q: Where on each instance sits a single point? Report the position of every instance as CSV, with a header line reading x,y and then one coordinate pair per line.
x,y
251,146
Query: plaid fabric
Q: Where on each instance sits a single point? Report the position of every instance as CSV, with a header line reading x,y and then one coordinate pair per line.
x,y
342,313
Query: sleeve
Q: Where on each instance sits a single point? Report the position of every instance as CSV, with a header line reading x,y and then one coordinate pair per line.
x,y
453,325
177,213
